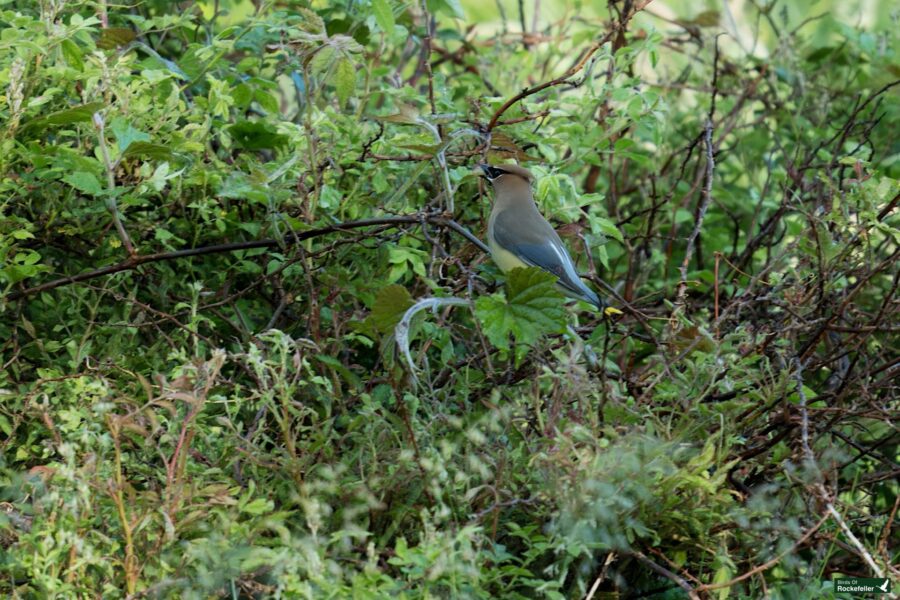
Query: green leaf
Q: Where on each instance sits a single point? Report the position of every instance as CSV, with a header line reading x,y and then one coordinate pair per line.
x,y
407,115
148,150
73,55
323,59
547,187
533,307
76,114
390,304
810,394
256,135
242,94
603,256
267,101
259,506
451,8
722,575
22,266
609,228
708,18
84,182
344,80
125,133
404,259
115,37
384,16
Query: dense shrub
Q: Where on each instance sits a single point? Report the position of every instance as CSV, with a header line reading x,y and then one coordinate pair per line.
x,y
252,346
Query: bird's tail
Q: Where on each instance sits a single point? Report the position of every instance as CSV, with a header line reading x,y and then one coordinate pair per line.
x,y
583,292
594,299
588,295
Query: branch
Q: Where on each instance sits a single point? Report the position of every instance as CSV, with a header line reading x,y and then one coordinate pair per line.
x,y
810,457
110,201
680,582
564,78
710,166
134,262
701,214
401,331
559,80
768,564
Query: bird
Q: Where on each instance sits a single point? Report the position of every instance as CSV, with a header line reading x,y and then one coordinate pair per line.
x,y
519,236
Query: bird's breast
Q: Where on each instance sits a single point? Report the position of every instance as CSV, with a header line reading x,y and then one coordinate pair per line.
x,y
506,260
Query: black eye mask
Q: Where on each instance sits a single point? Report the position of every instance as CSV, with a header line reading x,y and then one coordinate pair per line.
x,y
491,172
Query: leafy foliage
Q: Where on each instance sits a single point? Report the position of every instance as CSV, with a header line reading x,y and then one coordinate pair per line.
x,y
215,215
531,308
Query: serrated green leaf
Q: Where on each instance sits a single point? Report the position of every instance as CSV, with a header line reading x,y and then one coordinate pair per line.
x,y
533,307
323,59
722,575
344,80
547,187
384,16
84,182
390,304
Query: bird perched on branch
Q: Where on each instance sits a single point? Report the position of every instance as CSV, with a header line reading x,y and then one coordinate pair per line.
x,y
519,236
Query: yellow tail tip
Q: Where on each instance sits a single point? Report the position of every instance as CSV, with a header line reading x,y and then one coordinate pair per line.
x,y
609,311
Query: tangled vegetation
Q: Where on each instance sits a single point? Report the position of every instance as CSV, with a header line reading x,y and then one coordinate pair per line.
x,y
252,345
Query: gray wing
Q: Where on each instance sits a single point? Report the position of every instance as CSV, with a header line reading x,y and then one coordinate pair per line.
x,y
529,236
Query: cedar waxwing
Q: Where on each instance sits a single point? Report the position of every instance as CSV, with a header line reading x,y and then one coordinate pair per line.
x,y
519,236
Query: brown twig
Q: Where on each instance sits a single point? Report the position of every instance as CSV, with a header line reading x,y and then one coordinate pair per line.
x,y
578,66
136,261
768,564
679,581
701,213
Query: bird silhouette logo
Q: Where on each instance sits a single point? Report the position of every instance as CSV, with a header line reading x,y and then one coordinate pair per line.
x,y
884,586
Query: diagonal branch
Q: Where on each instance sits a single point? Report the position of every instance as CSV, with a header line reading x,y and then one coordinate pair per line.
x,y
135,261
564,78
